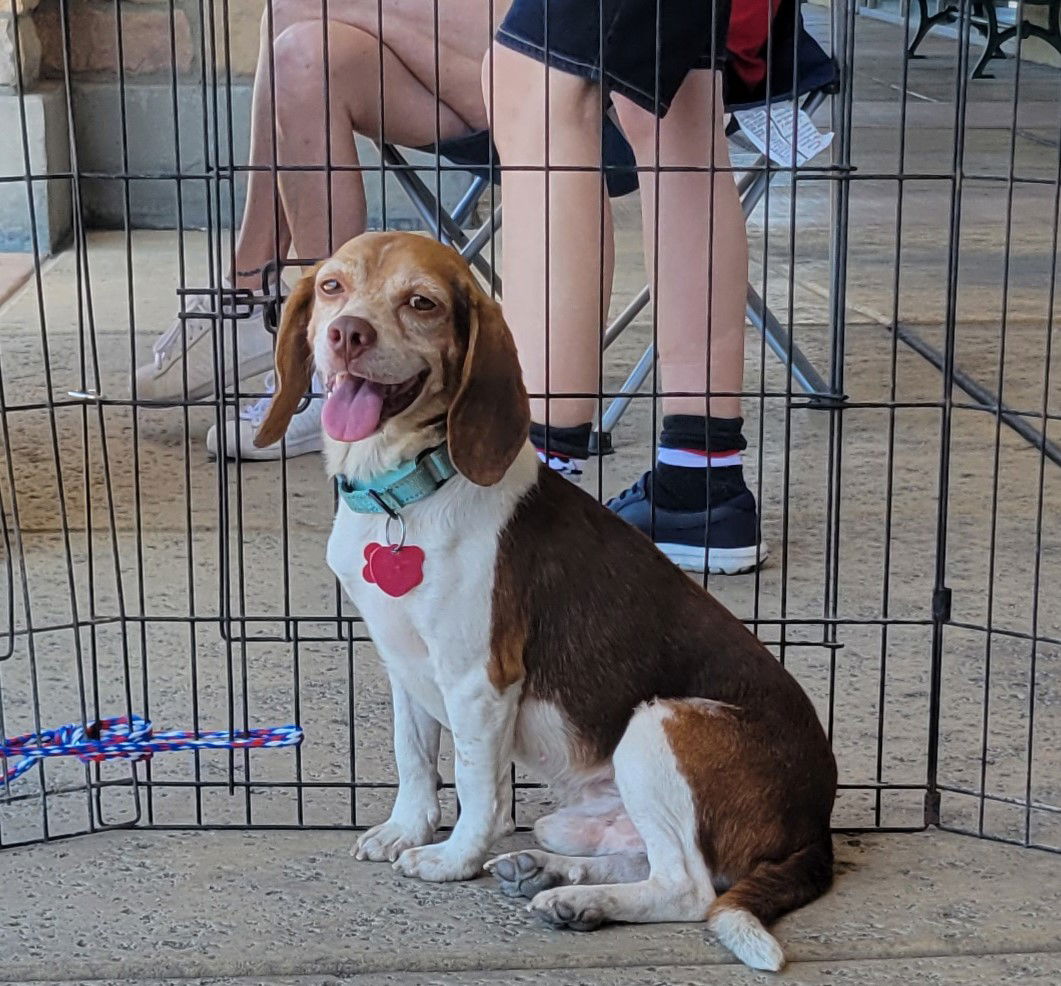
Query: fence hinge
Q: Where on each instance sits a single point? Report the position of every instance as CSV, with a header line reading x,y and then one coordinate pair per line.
x,y
941,605
932,807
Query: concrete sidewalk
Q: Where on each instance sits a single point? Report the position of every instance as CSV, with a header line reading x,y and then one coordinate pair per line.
x,y
295,907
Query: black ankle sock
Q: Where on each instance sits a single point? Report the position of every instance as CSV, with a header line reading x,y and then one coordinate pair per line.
x,y
559,446
693,441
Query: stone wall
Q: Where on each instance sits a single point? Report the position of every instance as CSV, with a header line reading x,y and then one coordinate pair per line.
x,y
20,48
156,38
102,45
244,18
122,94
33,215
148,34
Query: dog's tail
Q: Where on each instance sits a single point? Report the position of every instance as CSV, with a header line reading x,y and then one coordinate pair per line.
x,y
740,915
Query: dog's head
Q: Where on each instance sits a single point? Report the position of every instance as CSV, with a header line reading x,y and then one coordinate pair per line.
x,y
410,350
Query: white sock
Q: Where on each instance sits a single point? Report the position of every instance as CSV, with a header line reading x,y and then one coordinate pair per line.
x,y
695,459
567,467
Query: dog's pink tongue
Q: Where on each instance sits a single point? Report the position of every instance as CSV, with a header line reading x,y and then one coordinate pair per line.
x,y
352,410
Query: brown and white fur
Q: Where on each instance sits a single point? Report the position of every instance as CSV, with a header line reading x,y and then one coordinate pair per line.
x,y
695,779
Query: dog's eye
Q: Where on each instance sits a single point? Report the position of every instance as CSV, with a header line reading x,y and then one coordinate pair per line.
x,y
330,286
421,304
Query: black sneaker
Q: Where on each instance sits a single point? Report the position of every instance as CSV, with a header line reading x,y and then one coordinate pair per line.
x,y
732,527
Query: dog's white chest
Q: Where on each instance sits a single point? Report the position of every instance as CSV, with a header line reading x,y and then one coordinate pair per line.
x,y
439,630
391,621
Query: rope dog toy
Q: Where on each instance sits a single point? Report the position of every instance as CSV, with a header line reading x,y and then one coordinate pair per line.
x,y
132,738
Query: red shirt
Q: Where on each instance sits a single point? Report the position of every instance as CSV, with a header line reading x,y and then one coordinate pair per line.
x,y
749,29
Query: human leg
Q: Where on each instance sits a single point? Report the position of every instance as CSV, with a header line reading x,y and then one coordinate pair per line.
x,y
291,69
699,281
325,205
183,358
695,502
557,261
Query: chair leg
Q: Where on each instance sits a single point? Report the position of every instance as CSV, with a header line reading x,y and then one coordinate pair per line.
x,y
633,384
464,208
437,220
476,243
924,25
994,40
626,316
780,342
808,379
1051,34
945,15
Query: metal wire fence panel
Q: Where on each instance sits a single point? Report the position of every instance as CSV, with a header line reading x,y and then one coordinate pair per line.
x,y
176,165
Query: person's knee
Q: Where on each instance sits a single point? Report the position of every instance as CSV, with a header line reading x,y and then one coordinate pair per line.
x,y
298,58
352,69
515,88
692,134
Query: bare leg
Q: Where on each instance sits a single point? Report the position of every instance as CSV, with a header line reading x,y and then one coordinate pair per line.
x,y
690,276
552,253
290,74
264,235
408,32
432,39
311,134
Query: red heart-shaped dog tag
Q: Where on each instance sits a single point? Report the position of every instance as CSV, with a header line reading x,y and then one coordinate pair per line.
x,y
395,570
366,573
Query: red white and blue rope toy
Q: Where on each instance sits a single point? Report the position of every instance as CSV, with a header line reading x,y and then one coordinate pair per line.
x,y
132,738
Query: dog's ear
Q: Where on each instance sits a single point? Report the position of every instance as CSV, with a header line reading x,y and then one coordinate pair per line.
x,y
294,362
489,419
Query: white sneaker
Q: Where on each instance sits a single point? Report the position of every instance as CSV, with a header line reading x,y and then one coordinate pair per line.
x,y
570,469
188,343
303,433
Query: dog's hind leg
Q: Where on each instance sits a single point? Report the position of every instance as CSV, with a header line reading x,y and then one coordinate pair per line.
x,y
530,871
597,827
659,802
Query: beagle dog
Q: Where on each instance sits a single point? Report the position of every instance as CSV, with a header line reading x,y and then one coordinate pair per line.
x,y
694,780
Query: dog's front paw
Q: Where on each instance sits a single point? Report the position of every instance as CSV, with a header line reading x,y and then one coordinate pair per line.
x,y
568,907
385,843
439,863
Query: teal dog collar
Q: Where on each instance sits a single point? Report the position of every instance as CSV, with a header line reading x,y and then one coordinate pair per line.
x,y
395,490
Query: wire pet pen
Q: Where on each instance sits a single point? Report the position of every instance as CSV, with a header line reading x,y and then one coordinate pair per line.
x,y
911,488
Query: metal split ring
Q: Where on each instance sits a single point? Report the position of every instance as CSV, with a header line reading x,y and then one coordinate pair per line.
x,y
401,532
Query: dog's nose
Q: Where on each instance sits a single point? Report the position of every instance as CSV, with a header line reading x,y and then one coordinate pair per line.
x,y
350,336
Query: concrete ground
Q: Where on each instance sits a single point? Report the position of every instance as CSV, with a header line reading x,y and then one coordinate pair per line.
x,y
120,514
250,907
15,270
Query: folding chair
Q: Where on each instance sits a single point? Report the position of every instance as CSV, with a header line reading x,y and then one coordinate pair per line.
x,y
798,70
448,226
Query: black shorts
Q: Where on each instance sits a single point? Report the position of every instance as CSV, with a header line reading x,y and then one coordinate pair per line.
x,y
476,151
642,49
